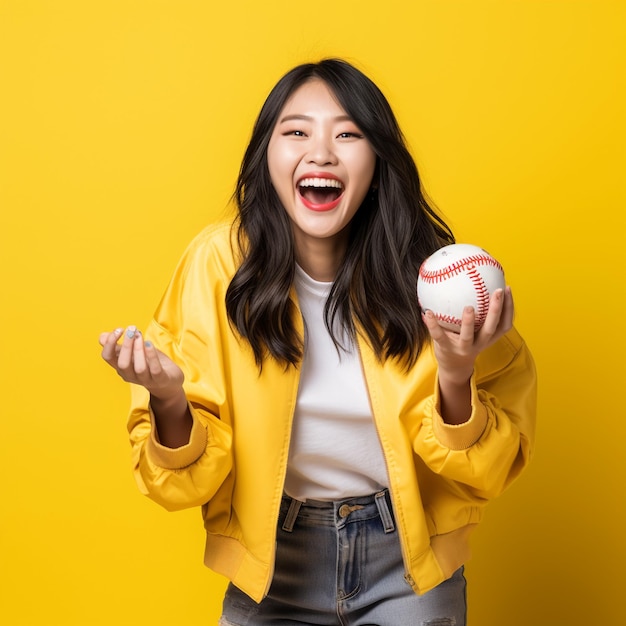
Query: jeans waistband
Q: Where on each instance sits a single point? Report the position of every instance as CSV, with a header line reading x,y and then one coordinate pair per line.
x,y
342,510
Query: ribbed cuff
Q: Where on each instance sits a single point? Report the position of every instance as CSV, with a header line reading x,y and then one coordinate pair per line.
x,y
178,458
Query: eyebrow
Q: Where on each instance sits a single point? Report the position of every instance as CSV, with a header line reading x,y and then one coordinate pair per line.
x,y
308,118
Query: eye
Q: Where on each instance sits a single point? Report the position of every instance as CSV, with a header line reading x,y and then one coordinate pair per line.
x,y
350,135
294,133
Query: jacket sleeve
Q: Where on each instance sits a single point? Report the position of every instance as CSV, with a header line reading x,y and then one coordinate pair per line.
x,y
184,477
490,450
187,327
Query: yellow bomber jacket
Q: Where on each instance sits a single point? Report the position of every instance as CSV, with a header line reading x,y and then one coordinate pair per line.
x,y
441,476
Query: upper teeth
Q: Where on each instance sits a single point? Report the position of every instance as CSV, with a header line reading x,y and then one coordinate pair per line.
x,y
320,182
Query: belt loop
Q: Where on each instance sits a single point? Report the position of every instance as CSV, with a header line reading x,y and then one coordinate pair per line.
x,y
384,512
292,514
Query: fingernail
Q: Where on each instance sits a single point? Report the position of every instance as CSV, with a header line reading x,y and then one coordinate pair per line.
x,y
148,344
130,333
118,331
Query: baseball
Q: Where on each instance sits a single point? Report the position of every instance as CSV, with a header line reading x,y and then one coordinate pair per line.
x,y
457,276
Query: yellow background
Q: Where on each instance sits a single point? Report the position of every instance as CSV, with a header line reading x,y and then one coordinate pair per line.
x,y
122,125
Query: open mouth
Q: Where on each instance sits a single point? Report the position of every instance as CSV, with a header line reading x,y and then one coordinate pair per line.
x,y
320,194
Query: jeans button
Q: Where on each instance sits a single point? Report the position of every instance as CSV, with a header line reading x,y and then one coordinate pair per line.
x,y
345,510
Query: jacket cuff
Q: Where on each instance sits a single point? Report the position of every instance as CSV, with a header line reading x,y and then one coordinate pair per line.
x,y
178,458
465,435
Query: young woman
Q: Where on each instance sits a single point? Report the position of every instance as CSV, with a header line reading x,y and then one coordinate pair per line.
x,y
342,445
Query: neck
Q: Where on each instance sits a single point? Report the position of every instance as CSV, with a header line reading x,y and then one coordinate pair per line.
x,y
321,259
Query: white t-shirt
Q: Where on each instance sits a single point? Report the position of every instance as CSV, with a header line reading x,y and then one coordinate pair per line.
x,y
335,452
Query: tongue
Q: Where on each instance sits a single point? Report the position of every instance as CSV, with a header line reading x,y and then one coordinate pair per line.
x,y
320,195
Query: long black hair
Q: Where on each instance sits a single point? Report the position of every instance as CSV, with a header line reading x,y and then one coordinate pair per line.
x,y
393,231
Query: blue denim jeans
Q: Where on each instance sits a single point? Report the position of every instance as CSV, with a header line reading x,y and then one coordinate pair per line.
x,y
340,564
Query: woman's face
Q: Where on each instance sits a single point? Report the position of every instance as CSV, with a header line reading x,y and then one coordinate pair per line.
x,y
321,167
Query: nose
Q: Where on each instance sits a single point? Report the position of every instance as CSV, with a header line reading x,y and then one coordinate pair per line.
x,y
321,150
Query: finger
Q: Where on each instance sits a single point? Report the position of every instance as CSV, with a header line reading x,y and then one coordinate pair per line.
x,y
152,359
125,357
139,356
434,328
108,341
104,337
508,310
494,314
468,325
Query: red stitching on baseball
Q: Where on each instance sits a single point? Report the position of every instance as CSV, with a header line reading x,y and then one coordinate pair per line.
x,y
448,319
482,296
454,269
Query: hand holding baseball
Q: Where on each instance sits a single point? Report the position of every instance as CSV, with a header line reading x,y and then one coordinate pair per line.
x,y
465,303
457,351
457,276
